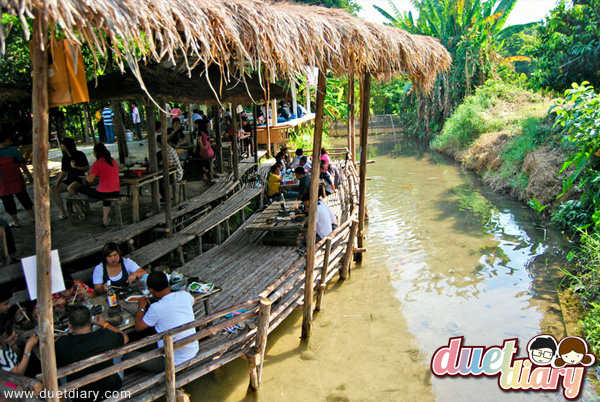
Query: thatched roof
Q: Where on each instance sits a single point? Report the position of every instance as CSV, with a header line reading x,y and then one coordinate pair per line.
x,y
281,37
169,83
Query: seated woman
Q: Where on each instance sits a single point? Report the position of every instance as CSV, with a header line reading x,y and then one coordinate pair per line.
x,y
74,163
325,156
9,352
107,171
116,269
203,148
274,182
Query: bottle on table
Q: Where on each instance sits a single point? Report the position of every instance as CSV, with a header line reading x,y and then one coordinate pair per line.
x,y
111,296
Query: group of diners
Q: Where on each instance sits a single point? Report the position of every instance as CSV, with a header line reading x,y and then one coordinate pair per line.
x,y
91,335
329,177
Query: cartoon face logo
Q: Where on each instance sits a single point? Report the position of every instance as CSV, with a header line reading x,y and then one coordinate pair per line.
x,y
542,349
573,351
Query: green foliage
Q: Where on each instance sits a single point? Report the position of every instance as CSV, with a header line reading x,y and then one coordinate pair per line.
x,y
568,48
585,277
573,215
578,113
521,44
349,5
387,97
472,31
590,326
15,67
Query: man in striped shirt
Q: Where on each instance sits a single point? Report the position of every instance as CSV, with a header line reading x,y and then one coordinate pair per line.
x,y
107,118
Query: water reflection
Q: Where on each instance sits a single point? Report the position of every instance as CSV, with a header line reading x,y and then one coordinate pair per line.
x,y
463,261
445,258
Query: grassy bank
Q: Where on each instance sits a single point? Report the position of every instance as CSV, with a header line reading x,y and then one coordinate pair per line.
x,y
507,136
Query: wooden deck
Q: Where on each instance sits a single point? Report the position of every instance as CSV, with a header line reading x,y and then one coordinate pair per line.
x,y
251,276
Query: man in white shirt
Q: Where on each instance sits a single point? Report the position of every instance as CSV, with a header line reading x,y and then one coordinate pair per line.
x,y
135,117
326,219
171,310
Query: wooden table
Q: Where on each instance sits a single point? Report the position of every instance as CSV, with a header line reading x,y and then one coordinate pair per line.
x,y
281,230
135,184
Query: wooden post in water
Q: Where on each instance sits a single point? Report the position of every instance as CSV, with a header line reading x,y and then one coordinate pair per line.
x,y
262,331
324,272
348,257
166,178
311,231
234,145
365,96
218,138
351,116
43,246
170,369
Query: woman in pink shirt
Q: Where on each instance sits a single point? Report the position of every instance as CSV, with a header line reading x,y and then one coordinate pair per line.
x,y
107,171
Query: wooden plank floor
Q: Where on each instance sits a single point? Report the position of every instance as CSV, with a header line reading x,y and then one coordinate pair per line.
x,y
241,267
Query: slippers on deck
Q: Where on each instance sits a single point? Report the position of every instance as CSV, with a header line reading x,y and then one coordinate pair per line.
x,y
62,217
13,225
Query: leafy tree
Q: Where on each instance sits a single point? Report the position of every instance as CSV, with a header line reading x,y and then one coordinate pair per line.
x,y
472,31
568,49
15,67
521,44
349,5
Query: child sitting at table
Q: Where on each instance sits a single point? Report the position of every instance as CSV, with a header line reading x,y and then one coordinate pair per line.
x,y
274,181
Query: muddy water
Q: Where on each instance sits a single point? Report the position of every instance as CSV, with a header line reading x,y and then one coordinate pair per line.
x,y
445,258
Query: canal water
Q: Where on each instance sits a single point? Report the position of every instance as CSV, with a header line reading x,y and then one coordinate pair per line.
x,y
446,258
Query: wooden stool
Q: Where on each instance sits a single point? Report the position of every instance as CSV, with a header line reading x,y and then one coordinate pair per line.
x,y
181,186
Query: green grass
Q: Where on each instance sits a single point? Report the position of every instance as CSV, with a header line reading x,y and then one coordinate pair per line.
x,y
495,106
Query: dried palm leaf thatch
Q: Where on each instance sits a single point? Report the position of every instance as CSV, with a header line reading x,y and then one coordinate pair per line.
x,y
280,37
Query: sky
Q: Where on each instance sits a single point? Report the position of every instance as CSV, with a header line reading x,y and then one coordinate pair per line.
x,y
524,11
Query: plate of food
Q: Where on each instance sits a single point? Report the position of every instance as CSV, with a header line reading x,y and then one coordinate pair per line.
x,y
196,287
133,298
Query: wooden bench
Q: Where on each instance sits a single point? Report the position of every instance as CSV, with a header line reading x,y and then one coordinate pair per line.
x,y
114,201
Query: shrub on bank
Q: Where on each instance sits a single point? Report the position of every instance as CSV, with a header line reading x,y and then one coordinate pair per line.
x,y
494,107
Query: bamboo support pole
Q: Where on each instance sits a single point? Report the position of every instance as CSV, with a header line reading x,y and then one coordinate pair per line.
x,y
119,132
365,94
322,282
312,212
43,246
348,257
234,146
170,369
255,133
351,117
166,176
218,138
152,160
